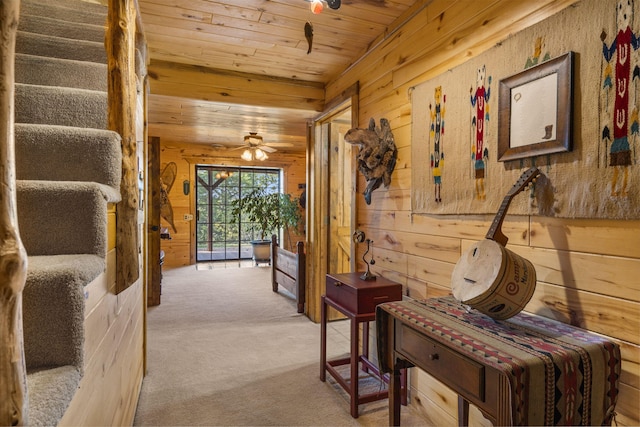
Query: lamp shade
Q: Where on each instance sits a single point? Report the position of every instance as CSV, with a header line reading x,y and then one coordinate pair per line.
x,y
260,155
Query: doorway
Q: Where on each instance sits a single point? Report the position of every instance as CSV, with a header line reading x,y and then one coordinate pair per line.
x,y
341,190
219,237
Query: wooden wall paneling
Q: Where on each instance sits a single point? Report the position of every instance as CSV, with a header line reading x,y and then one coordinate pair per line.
x,y
630,374
390,260
601,255
416,289
103,399
96,319
476,36
130,364
614,317
606,237
627,413
403,162
401,178
429,270
93,294
387,199
598,274
435,247
131,374
420,289
114,391
433,400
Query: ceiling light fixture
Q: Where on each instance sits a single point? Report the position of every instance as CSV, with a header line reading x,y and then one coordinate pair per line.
x,y
254,153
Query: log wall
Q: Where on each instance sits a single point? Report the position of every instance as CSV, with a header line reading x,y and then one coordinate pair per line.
x,y
180,250
587,269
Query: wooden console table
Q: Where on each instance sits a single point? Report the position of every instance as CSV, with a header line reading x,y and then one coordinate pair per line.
x,y
527,370
357,299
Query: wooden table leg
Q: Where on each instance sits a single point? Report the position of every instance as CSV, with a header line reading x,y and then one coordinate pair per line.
x,y
365,343
394,396
323,339
463,411
355,361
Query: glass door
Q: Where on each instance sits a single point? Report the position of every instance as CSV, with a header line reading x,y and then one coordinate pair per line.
x,y
217,239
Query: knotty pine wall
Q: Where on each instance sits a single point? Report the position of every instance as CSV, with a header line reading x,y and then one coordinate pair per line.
x,y
180,250
588,270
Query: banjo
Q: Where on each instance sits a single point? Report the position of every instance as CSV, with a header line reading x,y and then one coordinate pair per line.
x,y
488,276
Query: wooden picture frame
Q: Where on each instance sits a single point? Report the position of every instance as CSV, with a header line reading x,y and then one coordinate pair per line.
x,y
535,110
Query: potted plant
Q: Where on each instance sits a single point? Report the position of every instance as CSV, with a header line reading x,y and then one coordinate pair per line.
x,y
269,212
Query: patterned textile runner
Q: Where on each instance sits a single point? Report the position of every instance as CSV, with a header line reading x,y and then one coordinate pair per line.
x,y
558,374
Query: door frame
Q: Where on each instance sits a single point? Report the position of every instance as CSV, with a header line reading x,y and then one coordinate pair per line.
x,y
318,197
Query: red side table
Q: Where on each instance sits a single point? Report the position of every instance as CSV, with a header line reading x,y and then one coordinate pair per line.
x,y
357,299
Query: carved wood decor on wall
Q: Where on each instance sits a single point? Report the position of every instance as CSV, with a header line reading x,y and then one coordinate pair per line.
x,y
455,165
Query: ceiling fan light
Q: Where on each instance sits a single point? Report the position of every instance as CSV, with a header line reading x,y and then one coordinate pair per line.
x,y
247,155
260,155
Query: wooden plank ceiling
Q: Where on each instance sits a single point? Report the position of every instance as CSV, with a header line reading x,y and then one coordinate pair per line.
x,y
223,68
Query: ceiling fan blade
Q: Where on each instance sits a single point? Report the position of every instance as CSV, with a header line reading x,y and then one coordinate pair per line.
x,y
240,147
278,144
266,148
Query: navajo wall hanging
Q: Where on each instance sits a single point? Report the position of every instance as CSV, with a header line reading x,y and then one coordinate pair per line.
x,y
593,173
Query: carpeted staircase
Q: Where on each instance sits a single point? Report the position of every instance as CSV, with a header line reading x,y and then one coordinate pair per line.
x,y
68,169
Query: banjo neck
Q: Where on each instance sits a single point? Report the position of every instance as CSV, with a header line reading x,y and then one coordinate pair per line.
x,y
495,231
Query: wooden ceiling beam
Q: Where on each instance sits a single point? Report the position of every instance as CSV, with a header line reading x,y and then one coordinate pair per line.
x,y
188,81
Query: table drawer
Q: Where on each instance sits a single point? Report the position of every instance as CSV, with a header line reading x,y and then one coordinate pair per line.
x,y
465,376
358,296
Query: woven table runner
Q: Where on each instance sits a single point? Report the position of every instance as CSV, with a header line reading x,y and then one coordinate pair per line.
x,y
558,374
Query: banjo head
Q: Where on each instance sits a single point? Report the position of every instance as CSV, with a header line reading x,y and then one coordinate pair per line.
x,y
493,280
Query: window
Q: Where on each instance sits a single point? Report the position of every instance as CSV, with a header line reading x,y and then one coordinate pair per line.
x,y
216,187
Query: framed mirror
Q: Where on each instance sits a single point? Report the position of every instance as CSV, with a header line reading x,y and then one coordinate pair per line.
x,y
535,110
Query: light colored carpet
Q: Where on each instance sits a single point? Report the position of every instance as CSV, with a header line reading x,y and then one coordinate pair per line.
x,y
225,350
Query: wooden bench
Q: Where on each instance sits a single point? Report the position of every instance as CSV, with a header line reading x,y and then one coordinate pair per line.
x,y
288,271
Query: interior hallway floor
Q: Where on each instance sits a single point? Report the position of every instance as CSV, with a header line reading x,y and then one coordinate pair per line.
x,y
224,349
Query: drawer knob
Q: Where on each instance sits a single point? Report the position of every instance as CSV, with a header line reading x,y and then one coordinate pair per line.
x,y
338,283
434,356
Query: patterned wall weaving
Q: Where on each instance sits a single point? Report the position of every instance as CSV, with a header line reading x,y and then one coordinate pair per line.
x,y
455,169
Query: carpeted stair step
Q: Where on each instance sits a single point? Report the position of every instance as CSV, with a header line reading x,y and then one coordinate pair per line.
x,y
53,325
50,392
72,11
63,217
66,29
60,47
45,71
53,308
62,153
60,106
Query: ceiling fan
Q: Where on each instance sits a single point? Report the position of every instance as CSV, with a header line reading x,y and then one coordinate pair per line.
x,y
255,148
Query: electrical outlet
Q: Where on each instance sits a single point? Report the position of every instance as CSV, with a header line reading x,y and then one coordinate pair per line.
x,y
188,217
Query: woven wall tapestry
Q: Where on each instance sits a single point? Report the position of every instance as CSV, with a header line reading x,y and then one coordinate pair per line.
x,y
455,166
